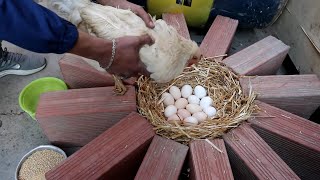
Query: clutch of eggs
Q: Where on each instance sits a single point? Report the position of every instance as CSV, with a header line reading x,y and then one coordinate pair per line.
x,y
187,105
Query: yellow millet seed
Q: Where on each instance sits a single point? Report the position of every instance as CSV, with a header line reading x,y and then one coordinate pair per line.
x,y
40,162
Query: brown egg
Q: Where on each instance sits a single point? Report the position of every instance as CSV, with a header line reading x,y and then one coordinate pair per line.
x,y
181,103
193,108
167,99
174,118
183,113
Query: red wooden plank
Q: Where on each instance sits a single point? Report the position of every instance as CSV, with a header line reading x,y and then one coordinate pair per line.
x,y
164,160
73,118
79,74
296,140
262,58
219,37
252,158
177,21
298,94
206,162
115,154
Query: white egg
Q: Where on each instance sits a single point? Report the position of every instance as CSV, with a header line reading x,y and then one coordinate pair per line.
x,y
200,91
175,92
190,121
193,99
167,99
183,113
186,91
193,108
174,118
181,103
206,102
210,111
201,116
170,110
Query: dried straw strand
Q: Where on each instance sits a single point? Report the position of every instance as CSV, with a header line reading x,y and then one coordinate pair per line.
x,y
119,87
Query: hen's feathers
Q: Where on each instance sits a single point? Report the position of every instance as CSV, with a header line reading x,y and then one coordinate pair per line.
x,y
165,59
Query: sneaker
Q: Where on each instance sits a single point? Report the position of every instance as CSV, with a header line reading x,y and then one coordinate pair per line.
x,y
19,64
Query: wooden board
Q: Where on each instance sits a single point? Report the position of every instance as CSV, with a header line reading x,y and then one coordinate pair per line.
x,y
262,58
298,94
115,154
252,158
294,139
73,118
164,160
77,74
299,27
206,162
178,22
219,37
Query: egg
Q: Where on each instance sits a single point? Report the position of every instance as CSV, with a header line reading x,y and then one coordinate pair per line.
x,y
193,108
181,103
210,111
167,99
183,113
170,110
200,92
174,118
193,99
175,92
206,102
186,91
200,116
190,121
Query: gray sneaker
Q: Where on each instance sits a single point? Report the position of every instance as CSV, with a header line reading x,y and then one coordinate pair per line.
x,y
19,64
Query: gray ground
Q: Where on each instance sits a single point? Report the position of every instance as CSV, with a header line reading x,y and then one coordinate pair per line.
x,y
19,133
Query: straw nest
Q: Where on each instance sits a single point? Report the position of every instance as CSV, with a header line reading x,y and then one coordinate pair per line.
x,y
223,86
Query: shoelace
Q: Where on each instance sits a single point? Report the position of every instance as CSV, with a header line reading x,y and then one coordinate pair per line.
x,y
3,55
7,58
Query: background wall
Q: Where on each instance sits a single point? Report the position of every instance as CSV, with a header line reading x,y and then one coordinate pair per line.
x,y
299,27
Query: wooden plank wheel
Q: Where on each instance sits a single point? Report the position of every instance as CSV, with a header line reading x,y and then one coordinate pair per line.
x,y
275,144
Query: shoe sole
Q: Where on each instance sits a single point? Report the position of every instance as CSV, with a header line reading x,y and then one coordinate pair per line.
x,y
21,72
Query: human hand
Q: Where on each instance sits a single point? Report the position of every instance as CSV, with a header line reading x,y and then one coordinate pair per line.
x,y
127,60
138,10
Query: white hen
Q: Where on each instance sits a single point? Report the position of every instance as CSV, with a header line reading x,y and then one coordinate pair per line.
x,y
165,59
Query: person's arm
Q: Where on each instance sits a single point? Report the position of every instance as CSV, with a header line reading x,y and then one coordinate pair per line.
x,y
126,61
93,48
33,27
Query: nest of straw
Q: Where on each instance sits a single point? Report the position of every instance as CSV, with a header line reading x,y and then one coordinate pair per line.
x,y
223,86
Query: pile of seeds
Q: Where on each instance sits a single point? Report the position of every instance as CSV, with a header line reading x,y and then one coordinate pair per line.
x,y
40,162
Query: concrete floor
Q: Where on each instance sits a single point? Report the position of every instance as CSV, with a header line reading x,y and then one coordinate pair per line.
x,y
19,133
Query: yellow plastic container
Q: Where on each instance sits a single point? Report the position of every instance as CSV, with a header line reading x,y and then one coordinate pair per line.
x,y
196,12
